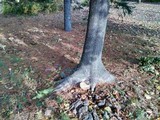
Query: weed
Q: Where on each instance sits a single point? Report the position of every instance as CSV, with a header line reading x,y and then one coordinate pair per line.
x,y
39,103
85,3
13,90
42,93
150,64
2,64
64,116
59,100
15,59
139,114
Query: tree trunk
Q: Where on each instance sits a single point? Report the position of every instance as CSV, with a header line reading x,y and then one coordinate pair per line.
x,y
139,1
1,6
67,15
91,68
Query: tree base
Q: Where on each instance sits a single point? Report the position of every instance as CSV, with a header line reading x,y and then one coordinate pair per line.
x,y
93,77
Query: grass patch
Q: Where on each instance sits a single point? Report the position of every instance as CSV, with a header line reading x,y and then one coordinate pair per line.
x,y
150,64
13,91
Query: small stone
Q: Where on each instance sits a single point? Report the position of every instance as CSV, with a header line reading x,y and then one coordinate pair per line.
x,y
75,105
48,112
88,116
95,116
86,103
82,111
147,96
106,116
101,103
11,38
84,86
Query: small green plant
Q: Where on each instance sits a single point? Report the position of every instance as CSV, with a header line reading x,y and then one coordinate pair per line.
x,y
15,59
59,100
150,64
149,60
42,93
85,3
7,8
64,116
2,64
140,114
13,96
39,103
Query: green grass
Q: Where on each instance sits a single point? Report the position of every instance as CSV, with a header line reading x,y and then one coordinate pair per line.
x,y
13,91
150,64
64,116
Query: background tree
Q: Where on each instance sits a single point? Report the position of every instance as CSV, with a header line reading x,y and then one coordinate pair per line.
x,y
91,68
67,15
1,7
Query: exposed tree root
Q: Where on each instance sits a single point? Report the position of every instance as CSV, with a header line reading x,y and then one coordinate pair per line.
x,y
99,77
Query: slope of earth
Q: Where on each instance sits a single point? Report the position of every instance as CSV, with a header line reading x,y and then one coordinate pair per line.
x,y
35,51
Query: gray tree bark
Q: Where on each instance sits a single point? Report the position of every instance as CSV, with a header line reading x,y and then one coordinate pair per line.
x,y
67,15
1,6
91,68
